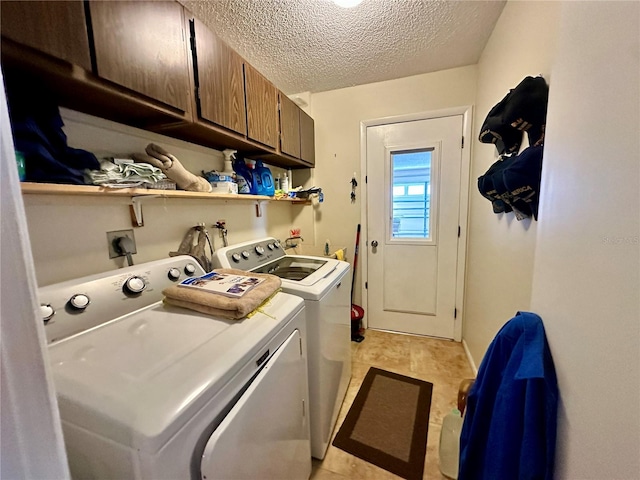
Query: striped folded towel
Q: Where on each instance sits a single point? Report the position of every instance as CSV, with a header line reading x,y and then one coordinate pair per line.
x,y
222,306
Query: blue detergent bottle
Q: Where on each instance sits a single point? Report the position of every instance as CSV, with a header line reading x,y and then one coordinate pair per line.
x,y
264,180
245,178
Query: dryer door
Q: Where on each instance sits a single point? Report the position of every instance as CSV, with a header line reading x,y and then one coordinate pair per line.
x,y
266,433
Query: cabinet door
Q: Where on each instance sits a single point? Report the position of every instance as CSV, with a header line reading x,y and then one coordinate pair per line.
x,y
262,107
289,127
220,80
52,27
143,46
307,139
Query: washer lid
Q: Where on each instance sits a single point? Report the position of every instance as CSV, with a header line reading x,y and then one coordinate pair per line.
x,y
138,379
318,284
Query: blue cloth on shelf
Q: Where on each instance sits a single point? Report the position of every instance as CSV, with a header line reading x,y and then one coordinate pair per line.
x,y
37,132
509,429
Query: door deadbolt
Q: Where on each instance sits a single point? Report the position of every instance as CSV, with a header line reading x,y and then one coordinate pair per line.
x,y
374,243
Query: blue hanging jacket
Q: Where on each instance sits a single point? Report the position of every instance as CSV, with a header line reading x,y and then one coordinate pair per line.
x,y
509,429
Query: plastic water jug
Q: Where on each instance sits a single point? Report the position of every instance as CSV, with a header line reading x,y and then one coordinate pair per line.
x,y
450,444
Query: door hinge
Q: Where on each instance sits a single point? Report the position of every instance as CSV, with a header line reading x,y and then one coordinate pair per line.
x,y
455,313
366,179
192,34
462,143
458,231
366,285
304,409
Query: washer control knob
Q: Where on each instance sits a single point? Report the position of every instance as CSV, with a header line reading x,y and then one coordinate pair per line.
x,y
173,274
134,285
190,269
47,312
276,244
236,257
260,250
245,254
270,246
79,301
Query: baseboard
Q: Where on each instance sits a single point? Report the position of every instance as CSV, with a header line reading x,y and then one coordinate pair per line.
x,y
472,364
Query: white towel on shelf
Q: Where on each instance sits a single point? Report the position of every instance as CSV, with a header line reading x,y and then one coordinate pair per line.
x,y
123,174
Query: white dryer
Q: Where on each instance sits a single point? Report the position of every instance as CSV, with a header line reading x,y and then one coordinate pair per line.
x,y
324,285
149,391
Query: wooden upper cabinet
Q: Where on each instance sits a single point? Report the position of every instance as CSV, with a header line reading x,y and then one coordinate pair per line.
x,y
307,138
55,28
262,108
296,131
143,46
220,80
289,127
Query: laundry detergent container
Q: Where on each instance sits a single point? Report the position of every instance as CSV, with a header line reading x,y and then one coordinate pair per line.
x,y
264,180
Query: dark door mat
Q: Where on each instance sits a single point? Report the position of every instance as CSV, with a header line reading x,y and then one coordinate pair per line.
x,y
387,423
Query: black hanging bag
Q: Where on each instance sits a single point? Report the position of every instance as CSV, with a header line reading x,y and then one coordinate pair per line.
x,y
523,109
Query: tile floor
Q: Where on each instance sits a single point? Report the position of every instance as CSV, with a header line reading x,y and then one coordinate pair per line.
x,y
440,362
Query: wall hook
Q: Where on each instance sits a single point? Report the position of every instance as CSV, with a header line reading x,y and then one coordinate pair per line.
x,y
354,184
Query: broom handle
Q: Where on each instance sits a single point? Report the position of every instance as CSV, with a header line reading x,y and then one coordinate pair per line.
x,y
355,261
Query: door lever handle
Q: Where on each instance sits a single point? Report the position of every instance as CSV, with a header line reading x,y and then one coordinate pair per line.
x,y
374,243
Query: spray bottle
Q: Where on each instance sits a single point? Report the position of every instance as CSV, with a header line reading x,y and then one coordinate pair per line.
x,y
229,157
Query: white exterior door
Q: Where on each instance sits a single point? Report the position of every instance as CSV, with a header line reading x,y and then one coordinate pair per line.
x,y
413,208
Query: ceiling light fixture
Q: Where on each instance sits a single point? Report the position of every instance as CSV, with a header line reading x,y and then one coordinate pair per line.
x,y
347,3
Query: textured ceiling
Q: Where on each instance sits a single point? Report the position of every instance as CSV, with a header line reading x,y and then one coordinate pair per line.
x,y
315,45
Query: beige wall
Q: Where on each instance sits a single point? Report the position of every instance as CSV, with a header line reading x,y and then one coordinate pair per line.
x,y
338,114
501,249
68,234
586,284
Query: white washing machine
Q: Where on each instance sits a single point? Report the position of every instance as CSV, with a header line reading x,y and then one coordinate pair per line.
x,y
149,391
324,285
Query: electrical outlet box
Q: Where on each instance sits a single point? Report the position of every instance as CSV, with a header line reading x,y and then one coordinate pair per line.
x,y
113,236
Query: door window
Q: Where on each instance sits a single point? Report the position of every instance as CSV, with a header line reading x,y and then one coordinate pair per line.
x,y
411,194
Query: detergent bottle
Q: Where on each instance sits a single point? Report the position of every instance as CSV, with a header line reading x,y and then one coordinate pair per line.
x,y
255,181
264,179
244,177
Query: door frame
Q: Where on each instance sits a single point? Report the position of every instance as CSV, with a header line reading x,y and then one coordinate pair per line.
x,y
31,421
463,214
